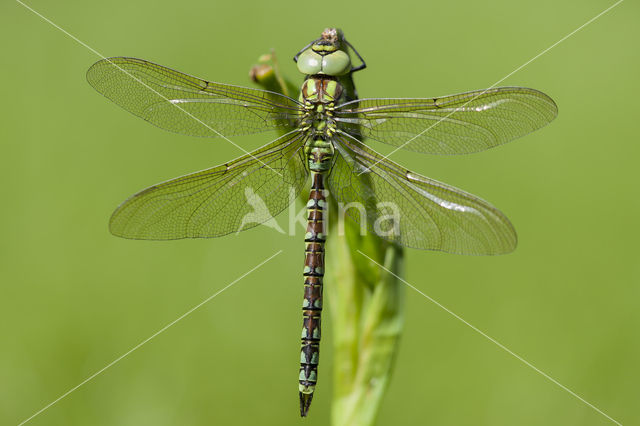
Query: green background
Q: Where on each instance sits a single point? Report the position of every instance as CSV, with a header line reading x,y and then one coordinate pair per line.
x,y
73,298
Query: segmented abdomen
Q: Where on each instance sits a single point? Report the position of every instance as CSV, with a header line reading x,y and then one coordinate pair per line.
x,y
315,238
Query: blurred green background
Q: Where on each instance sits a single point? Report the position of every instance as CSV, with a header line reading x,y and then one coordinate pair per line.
x,y
74,298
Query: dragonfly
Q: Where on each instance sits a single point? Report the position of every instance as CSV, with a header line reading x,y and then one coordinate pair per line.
x,y
321,151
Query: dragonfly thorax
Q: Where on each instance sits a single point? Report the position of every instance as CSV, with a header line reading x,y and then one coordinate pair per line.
x,y
319,96
320,89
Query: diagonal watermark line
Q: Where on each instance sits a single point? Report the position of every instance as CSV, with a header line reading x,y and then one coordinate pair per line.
x,y
492,86
146,340
494,341
143,83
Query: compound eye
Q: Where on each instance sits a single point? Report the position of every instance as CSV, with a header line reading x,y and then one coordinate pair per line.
x,y
336,63
309,62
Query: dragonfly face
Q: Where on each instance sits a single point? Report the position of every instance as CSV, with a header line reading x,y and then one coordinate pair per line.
x,y
327,55
325,128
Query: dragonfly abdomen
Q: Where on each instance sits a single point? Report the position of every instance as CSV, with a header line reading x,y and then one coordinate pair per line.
x,y
315,238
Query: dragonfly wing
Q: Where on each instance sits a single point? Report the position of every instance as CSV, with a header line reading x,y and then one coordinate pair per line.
x,y
413,210
228,198
457,124
184,104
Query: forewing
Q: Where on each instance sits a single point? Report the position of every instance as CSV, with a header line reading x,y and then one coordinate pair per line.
x,y
184,104
228,198
457,124
413,210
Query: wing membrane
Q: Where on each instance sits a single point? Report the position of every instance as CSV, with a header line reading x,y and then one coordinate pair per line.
x,y
413,210
457,124
224,199
184,104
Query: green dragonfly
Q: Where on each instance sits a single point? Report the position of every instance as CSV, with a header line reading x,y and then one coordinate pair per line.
x,y
322,143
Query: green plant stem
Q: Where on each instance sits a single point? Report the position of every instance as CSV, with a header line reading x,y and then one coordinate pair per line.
x,y
366,306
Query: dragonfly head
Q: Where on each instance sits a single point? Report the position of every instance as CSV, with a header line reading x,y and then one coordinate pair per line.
x,y
327,55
